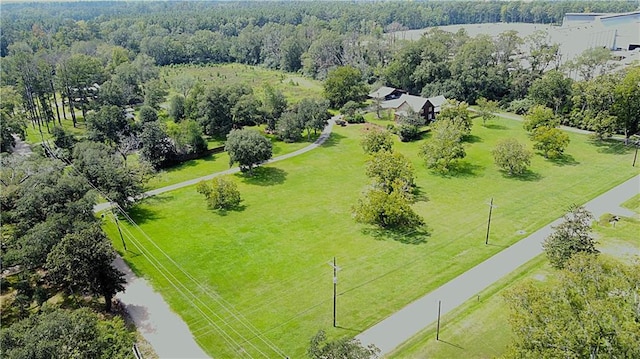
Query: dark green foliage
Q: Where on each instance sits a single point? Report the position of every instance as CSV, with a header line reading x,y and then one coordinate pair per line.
x,y
346,348
57,333
590,310
156,146
290,127
553,90
247,148
187,137
107,171
570,237
10,124
344,84
147,114
82,262
63,138
274,104
539,116
176,108
388,210
107,125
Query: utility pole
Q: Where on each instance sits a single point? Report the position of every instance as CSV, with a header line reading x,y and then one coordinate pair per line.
x,y
635,155
486,241
335,287
119,231
438,326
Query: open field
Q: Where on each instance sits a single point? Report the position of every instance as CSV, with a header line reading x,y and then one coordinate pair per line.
x,y
268,260
480,328
294,87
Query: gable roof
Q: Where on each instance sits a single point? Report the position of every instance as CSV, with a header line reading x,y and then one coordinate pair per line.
x,y
382,92
437,101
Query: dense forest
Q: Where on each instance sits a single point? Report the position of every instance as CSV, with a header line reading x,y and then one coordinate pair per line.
x,y
91,63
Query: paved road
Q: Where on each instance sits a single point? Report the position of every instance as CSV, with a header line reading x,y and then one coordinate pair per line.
x,y
167,333
515,117
404,324
326,132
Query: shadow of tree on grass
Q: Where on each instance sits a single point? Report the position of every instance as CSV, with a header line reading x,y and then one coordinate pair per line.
x,y
614,147
564,160
495,126
264,176
333,140
414,236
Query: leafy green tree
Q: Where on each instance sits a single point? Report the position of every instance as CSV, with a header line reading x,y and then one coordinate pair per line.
x,y
457,112
221,193
445,145
486,109
156,145
274,104
59,333
321,348
155,92
176,108
187,137
571,236
388,210
78,73
591,60
63,138
247,148
626,106
107,172
553,90
10,125
539,116
344,84
350,108
551,141
148,114
107,125
314,113
512,156
376,140
246,111
82,262
391,168
590,311
290,127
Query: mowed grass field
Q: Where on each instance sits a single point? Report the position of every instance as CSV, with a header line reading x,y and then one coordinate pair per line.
x,y
480,328
268,261
294,87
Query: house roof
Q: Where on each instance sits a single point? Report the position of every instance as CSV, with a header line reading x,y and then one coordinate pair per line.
x,y
382,92
437,101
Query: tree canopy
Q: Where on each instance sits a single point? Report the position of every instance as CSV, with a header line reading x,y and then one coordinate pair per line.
x,y
247,148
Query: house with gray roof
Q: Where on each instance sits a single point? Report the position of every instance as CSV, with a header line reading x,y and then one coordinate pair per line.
x,y
426,107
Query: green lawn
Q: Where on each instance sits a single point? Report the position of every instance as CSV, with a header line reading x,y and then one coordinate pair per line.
x,y
293,86
480,328
269,259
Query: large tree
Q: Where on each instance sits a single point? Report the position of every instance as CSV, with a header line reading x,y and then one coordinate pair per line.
x,y
59,333
344,84
107,125
83,262
511,156
550,141
553,90
570,237
389,169
221,193
346,348
376,140
445,145
387,209
156,146
627,103
107,171
590,311
248,148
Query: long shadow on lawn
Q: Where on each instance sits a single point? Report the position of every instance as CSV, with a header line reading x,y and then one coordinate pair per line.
x,y
527,176
143,214
415,237
333,140
453,345
565,160
264,176
614,147
461,169
495,126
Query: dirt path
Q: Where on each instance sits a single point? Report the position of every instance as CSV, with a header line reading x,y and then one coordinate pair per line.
x,y
410,320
